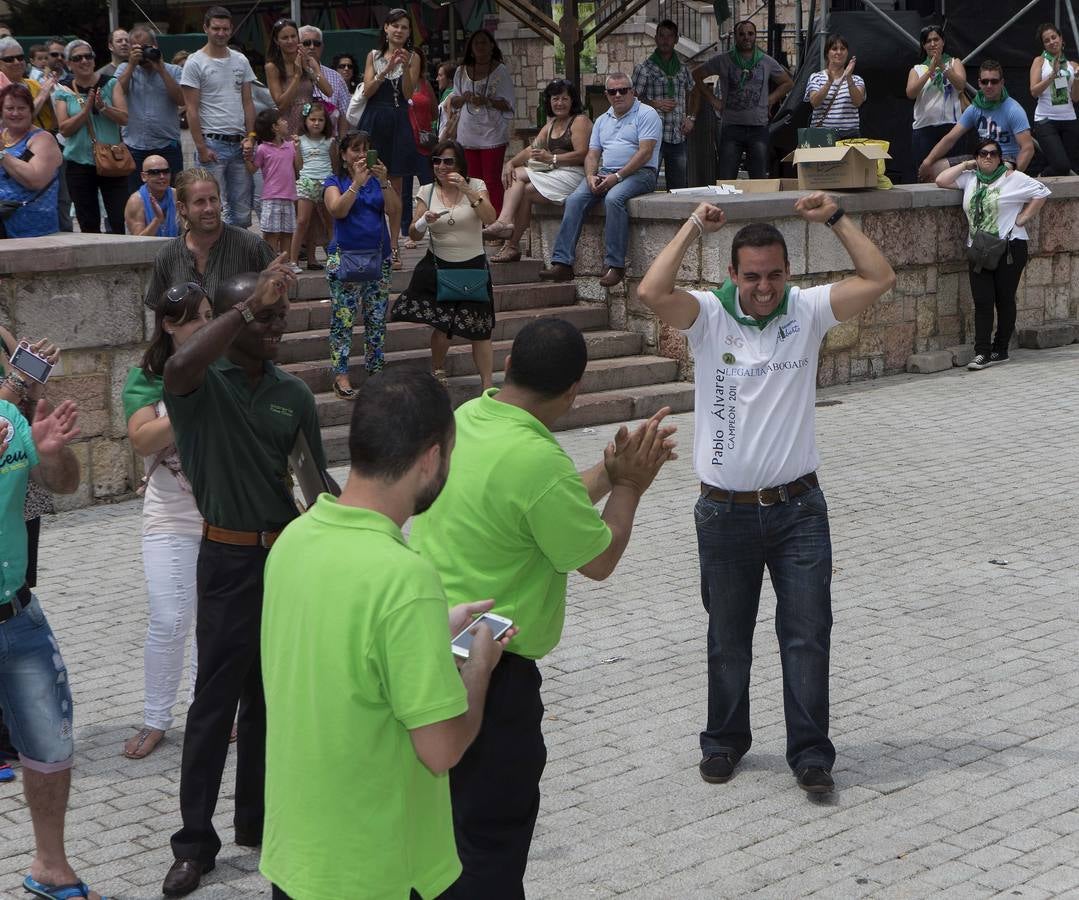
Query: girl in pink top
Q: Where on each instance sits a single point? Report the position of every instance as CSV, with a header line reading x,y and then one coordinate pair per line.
x,y
274,157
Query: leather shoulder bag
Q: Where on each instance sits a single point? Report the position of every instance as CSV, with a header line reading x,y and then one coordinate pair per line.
x,y
110,160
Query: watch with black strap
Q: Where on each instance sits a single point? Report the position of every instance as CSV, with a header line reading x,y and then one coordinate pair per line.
x,y
835,217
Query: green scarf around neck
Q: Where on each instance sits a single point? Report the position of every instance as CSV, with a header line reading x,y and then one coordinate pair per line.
x,y
980,101
746,65
938,78
727,294
1058,96
669,67
978,219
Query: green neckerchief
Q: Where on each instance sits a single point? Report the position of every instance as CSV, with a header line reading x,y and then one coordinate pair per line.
x,y
1057,96
726,293
938,78
669,67
980,101
746,65
141,390
446,93
977,199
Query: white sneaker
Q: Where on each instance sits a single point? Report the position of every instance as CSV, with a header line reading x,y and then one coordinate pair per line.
x,y
295,268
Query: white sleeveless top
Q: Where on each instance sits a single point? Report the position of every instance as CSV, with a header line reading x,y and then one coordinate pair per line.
x,y
1046,109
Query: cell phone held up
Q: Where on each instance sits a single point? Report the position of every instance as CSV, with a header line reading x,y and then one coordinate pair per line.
x,y
372,158
30,364
462,643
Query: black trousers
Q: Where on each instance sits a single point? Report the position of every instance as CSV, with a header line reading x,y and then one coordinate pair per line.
x,y
996,291
1059,141
495,786
277,894
228,619
83,182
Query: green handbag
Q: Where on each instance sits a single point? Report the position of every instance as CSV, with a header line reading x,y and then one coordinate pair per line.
x,y
462,284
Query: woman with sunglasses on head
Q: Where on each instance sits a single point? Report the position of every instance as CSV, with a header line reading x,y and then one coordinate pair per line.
x,y
999,202
91,102
936,86
483,93
1054,83
546,172
292,73
171,523
835,92
29,168
390,76
344,64
451,213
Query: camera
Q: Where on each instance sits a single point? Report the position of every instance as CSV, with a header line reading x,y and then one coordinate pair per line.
x,y
150,54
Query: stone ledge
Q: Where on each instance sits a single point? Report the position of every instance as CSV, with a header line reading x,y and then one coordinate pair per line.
x,y
1051,334
929,362
961,354
60,252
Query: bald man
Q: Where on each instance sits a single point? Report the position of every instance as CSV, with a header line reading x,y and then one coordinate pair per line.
x,y
151,210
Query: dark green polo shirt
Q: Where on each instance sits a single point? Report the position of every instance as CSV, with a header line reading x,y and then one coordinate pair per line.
x,y
234,442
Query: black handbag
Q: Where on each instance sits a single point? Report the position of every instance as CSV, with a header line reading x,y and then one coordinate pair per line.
x,y
985,251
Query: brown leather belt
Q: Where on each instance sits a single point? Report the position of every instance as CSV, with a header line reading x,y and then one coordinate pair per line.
x,y
239,538
765,496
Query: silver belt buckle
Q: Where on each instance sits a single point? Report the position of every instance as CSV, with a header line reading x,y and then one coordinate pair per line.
x,y
783,496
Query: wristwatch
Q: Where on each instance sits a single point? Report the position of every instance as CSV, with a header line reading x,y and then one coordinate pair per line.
x,y
554,161
245,312
835,217
618,175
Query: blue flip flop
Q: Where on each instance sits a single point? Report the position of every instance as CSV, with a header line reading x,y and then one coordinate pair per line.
x,y
56,892
6,773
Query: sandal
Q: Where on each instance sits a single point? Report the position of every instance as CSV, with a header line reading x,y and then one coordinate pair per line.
x,y
140,745
348,393
56,891
441,377
507,254
409,244
498,231
395,256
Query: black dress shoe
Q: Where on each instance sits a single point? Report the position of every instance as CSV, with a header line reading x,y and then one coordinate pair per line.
x,y
815,780
184,877
717,769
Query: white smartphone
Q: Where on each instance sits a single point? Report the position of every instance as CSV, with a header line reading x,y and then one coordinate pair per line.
x,y
29,363
462,644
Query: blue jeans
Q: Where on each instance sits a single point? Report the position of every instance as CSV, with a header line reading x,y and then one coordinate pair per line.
x,y
616,228
34,693
237,189
674,164
753,140
735,542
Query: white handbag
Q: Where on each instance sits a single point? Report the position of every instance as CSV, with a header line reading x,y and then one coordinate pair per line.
x,y
356,106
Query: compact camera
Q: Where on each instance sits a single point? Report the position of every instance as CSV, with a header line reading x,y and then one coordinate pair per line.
x,y
150,54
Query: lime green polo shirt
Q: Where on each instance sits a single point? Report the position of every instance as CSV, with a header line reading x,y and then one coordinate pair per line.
x,y
512,521
355,654
234,442
18,459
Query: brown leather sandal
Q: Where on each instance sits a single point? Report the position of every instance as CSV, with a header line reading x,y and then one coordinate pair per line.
x,y
507,254
142,744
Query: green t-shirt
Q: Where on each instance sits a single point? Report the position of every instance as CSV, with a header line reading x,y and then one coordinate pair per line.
x,y
355,653
234,442
513,519
15,465
141,390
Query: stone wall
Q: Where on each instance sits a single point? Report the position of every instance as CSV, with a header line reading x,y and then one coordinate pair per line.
x,y
919,228
85,293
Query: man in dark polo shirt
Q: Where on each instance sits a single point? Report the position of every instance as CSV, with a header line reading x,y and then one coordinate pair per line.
x,y
209,251
236,416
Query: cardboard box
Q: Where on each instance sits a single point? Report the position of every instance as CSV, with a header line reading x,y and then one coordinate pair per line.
x,y
763,185
830,168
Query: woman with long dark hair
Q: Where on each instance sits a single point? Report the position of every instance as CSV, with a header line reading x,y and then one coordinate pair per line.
x,y
344,64
171,523
292,73
1053,83
936,85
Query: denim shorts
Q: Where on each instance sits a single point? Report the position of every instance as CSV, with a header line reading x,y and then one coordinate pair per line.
x,y
34,693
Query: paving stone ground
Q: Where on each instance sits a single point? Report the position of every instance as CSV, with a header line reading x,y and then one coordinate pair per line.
x,y
955,686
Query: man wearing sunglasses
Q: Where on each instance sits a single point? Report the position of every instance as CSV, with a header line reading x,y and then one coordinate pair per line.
x,y
151,210
311,40
994,116
622,163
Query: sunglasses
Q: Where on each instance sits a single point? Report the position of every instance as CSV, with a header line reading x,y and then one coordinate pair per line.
x,y
178,293
443,160
988,154
82,57
156,173
311,43
55,54
618,92
12,59
988,81
345,66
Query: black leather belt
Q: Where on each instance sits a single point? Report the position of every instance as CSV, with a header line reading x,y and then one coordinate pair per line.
x,y
765,496
229,138
11,608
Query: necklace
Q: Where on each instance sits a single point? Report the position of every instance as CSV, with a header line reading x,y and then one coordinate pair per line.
x,y
394,80
450,220
482,91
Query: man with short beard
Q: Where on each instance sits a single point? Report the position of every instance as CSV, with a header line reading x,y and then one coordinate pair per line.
x,y
119,49
236,417
210,251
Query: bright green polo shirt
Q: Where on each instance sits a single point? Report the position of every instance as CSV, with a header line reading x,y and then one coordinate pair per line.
x,y
234,443
355,653
15,465
513,519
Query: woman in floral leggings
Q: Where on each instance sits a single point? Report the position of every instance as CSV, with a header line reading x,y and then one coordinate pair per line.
x,y
359,198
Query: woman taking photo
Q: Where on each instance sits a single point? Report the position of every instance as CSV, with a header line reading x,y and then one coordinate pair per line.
x,y
1053,83
935,85
292,73
29,167
171,524
97,103
998,203
453,210
547,172
359,199
483,94
390,76
835,93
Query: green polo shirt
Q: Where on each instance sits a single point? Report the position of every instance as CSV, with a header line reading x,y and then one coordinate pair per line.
x,y
234,442
15,465
355,654
513,519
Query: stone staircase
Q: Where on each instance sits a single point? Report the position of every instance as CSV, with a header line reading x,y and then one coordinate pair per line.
x,y
621,382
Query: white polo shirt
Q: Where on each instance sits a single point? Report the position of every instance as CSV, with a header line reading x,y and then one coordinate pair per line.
x,y
755,391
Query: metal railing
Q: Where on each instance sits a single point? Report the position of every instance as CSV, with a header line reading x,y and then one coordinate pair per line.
x,y
685,17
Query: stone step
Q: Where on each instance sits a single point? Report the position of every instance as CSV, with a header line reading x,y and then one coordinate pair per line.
x,y
601,345
600,408
313,343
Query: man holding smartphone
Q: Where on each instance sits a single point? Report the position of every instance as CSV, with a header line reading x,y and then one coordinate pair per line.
x,y
514,519
362,682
